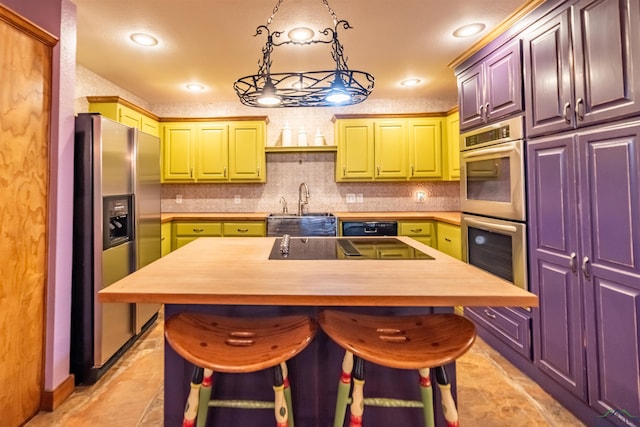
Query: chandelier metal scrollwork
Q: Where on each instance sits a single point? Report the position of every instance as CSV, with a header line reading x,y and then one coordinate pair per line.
x,y
328,88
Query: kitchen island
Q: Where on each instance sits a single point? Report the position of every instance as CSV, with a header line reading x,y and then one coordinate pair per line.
x,y
235,276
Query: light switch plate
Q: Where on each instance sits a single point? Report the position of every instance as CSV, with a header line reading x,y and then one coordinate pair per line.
x,y
351,198
237,199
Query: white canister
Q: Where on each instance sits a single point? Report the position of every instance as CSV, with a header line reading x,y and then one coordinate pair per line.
x,y
286,135
302,138
318,139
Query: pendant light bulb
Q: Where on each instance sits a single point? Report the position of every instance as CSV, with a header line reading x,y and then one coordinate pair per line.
x,y
338,94
269,97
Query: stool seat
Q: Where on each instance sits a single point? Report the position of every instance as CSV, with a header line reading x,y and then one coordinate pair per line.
x,y
403,342
419,342
238,345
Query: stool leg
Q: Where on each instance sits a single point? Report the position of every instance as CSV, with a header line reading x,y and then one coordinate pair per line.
x,y
357,394
426,392
287,391
281,408
205,396
344,386
448,405
191,407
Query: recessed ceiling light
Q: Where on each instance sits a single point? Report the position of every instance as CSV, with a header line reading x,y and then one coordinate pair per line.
x,y
195,87
143,39
300,34
410,82
469,30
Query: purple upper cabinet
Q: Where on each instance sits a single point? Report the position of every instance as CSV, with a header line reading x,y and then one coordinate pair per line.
x,y
492,88
601,38
610,264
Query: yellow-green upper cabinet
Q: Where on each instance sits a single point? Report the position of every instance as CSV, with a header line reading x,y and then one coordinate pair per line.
x,y
124,112
355,155
390,149
212,152
425,147
216,151
246,151
178,145
452,149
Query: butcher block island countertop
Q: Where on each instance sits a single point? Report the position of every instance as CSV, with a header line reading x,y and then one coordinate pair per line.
x,y
237,270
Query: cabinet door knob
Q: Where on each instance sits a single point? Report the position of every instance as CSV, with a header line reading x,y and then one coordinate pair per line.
x,y
242,230
224,172
378,170
489,314
446,239
198,230
486,112
565,113
481,112
580,109
585,267
572,262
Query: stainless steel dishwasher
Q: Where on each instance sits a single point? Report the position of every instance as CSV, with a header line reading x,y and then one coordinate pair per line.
x,y
369,228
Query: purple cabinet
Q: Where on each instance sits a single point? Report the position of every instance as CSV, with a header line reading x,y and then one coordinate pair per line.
x,y
610,264
582,66
584,202
492,88
553,246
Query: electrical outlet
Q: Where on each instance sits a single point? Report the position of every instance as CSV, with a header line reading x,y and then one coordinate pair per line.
x,y
420,196
178,198
359,198
351,198
236,199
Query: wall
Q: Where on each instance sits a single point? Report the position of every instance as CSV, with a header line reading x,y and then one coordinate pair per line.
x,y
286,171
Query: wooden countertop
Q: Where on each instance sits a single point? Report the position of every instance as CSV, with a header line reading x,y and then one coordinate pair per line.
x,y
213,216
236,270
449,217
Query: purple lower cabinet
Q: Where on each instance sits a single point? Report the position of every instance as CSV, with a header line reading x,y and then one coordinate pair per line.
x,y
584,222
314,376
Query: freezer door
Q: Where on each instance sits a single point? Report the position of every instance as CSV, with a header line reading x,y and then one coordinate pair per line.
x,y
114,321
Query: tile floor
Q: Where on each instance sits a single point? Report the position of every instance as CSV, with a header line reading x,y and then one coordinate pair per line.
x,y
491,392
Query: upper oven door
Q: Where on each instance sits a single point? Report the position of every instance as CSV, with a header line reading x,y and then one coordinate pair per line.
x,y
492,181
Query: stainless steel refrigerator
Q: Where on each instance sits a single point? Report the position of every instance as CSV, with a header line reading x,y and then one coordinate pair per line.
x,y
116,230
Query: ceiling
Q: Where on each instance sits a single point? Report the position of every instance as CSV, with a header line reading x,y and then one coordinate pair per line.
x,y
212,42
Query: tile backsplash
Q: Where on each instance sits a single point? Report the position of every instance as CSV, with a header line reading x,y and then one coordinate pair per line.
x,y
285,172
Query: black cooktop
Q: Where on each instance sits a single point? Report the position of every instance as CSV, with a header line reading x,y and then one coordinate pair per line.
x,y
323,248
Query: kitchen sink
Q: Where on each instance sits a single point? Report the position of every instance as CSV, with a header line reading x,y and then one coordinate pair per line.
x,y
308,224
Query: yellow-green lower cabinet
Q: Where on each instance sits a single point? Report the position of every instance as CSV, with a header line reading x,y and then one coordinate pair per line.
x,y
422,231
244,229
165,238
449,239
187,231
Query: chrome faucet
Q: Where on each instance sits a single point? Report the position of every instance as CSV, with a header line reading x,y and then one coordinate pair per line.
x,y
303,190
285,209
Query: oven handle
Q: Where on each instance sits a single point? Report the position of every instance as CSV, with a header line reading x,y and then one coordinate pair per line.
x,y
506,228
485,151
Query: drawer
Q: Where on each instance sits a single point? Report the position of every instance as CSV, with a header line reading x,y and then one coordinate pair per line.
x,y
509,325
246,228
406,228
198,229
449,239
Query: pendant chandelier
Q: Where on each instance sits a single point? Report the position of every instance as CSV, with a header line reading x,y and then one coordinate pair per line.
x,y
336,87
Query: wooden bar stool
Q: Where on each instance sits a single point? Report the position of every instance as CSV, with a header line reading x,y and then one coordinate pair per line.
x,y
237,345
402,342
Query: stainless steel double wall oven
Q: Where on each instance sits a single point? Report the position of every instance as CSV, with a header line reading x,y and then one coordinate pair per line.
x,y
492,186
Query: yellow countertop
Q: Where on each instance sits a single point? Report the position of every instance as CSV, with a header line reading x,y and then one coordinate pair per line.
x,y
449,217
237,270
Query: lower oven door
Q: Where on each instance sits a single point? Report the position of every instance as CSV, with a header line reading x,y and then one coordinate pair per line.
x,y
497,246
